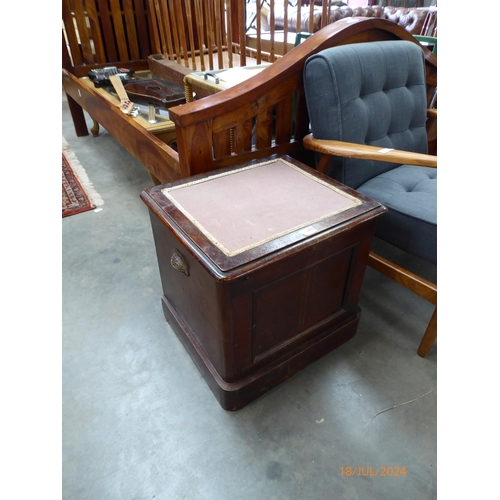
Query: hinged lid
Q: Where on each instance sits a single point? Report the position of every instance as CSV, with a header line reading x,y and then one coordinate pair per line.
x,y
239,214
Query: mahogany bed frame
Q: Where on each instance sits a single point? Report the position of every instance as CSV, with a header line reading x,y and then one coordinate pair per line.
x,y
262,116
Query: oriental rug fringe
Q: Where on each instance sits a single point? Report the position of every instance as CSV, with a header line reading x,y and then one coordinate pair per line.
x,y
78,193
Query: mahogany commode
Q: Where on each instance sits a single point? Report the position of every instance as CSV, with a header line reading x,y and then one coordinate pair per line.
x,y
261,268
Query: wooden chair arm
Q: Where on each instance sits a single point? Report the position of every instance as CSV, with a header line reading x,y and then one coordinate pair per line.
x,y
363,152
432,113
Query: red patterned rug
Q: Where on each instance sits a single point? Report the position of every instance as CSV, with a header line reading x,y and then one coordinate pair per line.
x,y
78,193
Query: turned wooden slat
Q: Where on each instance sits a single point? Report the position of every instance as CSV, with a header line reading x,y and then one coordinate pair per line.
x,y
178,34
121,40
298,26
218,32
107,29
284,119
242,33
128,11
229,31
326,5
223,23
175,32
95,31
83,33
259,32
155,28
222,144
166,33
210,33
168,29
182,32
272,50
243,137
285,28
162,18
198,11
263,129
69,28
311,16
190,25
142,29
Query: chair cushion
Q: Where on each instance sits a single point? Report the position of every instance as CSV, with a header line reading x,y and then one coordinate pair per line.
x,y
410,194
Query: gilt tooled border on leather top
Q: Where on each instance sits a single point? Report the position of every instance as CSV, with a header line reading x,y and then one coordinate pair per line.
x,y
166,192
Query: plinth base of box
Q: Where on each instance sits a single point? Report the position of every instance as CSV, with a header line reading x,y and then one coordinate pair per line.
x,y
235,395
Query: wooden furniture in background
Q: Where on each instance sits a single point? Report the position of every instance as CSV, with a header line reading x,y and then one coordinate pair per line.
x,y
260,111
268,113
199,34
163,129
99,33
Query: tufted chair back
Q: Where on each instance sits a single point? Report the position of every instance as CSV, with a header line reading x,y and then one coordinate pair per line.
x,y
375,94
365,99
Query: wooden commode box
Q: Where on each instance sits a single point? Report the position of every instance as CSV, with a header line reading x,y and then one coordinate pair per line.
x,y
261,268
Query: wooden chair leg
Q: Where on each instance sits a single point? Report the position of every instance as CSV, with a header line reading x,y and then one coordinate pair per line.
x,y
429,336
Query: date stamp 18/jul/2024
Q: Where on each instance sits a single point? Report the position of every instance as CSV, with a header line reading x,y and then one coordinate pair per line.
x,y
370,471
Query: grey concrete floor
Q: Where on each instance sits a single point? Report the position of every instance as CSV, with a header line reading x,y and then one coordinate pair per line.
x,y
139,421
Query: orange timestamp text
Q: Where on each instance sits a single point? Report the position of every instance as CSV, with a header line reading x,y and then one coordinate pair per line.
x,y
381,471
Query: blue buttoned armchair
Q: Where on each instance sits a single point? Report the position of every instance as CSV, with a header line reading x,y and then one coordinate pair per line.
x,y
367,106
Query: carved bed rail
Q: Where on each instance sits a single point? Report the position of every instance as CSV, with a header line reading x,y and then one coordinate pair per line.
x,y
197,33
98,33
267,114
261,116
205,34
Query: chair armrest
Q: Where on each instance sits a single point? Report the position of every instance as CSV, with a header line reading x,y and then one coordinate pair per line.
x,y
363,152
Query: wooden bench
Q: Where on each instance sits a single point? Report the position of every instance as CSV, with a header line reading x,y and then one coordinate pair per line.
x,y
262,116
